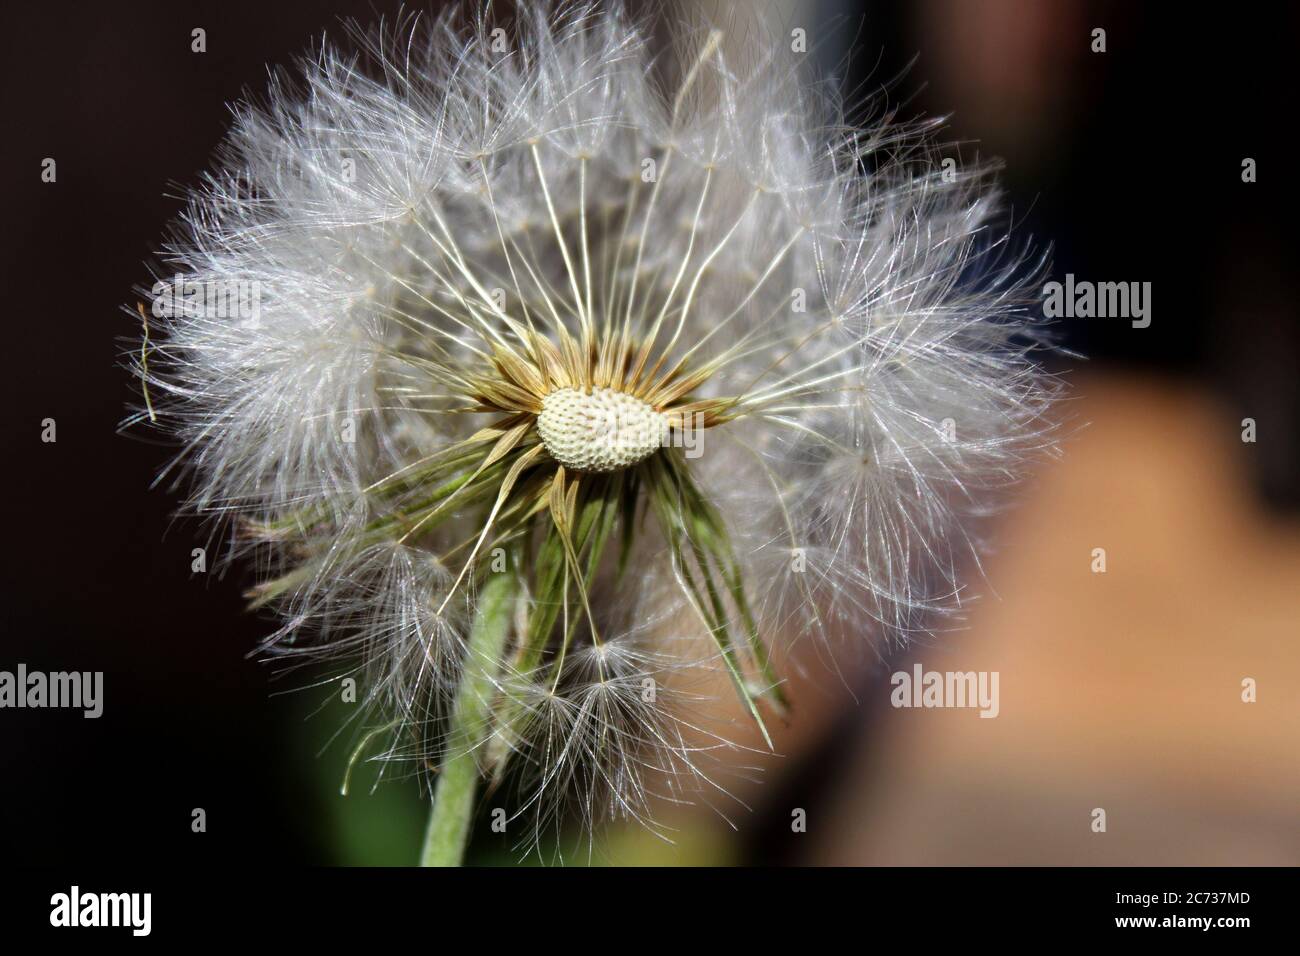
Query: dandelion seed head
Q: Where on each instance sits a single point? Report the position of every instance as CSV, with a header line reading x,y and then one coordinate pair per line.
x,y
498,281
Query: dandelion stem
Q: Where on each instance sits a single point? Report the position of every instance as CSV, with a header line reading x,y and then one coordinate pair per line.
x,y
453,797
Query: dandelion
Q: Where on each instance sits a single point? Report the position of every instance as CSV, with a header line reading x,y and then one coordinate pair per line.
x,y
578,373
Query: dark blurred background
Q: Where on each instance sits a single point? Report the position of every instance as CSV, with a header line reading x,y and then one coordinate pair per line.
x,y
1128,163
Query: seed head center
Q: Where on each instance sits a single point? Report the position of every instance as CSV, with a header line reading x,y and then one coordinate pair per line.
x,y
601,430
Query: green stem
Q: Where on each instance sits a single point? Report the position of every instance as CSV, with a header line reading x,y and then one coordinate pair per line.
x,y
453,797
